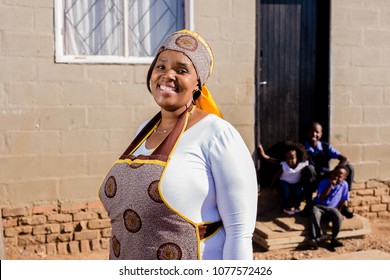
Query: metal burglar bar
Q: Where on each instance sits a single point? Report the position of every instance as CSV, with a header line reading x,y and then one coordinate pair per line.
x,y
96,27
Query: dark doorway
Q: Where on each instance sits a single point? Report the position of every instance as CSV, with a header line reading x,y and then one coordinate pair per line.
x,y
293,69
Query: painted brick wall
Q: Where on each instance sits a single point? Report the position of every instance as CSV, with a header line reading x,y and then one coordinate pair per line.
x,y
63,125
360,126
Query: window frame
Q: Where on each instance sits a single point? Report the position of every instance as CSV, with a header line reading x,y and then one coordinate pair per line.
x,y
60,57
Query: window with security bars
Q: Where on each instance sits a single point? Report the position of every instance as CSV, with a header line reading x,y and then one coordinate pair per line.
x,y
116,31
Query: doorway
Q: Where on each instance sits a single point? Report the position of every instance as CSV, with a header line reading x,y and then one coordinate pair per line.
x,y
293,69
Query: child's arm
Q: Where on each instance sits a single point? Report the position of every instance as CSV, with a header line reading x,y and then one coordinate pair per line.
x,y
265,156
343,160
341,204
326,192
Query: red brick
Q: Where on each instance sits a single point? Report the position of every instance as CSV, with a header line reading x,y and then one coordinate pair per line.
x,y
10,223
62,248
378,207
25,240
84,246
40,250
95,244
385,199
46,229
10,232
16,212
66,228
59,218
384,215
11,241
74,247
69,207
376,184
24,229
51,249
105,243
369,200
106,232
84,216
99,224
365,192
44,209
89,235
97,204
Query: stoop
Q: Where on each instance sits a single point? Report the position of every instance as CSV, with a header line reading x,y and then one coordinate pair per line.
x,y
278,231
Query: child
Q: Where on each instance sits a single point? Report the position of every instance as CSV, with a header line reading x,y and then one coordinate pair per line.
x,y
320,153
331,196
289,174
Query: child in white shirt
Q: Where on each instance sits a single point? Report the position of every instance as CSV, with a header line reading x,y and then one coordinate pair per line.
x,y
289,174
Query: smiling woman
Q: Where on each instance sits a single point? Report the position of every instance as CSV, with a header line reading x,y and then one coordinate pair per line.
x,y
186,186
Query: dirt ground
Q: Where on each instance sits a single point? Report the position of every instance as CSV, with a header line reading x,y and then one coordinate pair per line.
x,y
377,240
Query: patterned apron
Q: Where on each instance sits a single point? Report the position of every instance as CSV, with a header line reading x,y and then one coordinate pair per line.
x,y
144,226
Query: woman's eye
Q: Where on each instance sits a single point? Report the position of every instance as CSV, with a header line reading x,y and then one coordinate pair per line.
x,y
181,71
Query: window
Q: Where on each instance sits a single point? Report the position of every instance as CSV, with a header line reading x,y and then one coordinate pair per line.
x,y
116,31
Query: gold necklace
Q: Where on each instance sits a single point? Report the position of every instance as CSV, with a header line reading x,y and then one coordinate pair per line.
x,y
164,131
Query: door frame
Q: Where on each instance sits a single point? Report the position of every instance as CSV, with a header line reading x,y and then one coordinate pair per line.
x,y
323,69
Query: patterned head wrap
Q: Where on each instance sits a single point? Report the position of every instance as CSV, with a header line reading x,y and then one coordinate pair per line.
x,y
198,51
195,47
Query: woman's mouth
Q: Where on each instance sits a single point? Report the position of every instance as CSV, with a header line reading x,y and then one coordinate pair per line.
x,y
169,89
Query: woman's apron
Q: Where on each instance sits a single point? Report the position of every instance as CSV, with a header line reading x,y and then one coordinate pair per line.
x,y
144,226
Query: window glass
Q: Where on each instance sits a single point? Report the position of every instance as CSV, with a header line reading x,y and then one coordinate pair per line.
x,y
121,31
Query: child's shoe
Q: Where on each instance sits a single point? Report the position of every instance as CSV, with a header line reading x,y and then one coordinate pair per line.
x,y
346,212
335,243
289,211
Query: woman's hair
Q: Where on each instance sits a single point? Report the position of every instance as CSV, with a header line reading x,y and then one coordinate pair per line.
x,y
298,148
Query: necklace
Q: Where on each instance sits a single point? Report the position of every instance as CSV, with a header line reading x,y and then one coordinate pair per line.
x,y
163,131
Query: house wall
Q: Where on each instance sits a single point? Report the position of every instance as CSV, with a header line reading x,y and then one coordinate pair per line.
x,y
63,125
360,85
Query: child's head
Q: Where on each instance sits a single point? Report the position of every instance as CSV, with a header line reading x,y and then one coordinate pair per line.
x,y
294,153
339,174
314,134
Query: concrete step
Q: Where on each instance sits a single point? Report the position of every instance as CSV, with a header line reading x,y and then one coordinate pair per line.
x,y
278,231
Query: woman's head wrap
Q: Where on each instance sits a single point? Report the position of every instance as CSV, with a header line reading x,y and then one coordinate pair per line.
x,y
198,51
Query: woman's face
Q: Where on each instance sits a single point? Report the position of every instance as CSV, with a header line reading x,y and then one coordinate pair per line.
x,y
173,80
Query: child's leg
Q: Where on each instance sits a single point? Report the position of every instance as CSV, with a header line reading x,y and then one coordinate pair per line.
x,y
336,218
315,221
286,194
297,195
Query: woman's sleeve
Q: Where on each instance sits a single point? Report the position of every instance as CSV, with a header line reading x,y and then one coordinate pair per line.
x,y
235,180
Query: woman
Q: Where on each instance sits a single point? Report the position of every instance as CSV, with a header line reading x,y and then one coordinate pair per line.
x,y
186,186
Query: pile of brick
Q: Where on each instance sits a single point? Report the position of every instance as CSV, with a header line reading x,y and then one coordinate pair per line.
x,y
62,228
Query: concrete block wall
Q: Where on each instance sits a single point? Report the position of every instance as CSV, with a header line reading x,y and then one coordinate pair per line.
x,y
63,125
360,79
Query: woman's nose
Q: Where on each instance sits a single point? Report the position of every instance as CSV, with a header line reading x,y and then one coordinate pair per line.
x,y
169,74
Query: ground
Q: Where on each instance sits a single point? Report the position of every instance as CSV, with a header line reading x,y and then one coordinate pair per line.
x,y
377,240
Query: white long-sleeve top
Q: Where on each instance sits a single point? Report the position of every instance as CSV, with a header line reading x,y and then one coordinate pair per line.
x,y
211,177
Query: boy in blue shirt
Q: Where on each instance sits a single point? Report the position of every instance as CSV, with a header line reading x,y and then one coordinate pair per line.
x,y
332,195
320,153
